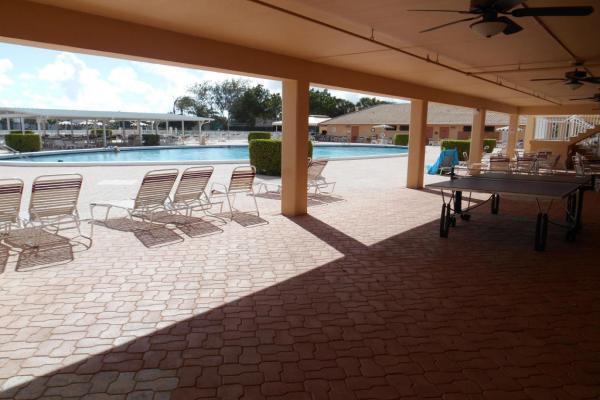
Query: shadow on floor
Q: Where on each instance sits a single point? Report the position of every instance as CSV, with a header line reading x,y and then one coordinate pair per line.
x,y
37,248
149,234
412,316
313,199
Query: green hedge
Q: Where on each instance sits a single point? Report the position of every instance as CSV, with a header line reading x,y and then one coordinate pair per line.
x,y
401,139
25,143
464,146
150,139
258,135
265,155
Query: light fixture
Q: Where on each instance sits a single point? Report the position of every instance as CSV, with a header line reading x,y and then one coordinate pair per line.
x,y
489,28
574,84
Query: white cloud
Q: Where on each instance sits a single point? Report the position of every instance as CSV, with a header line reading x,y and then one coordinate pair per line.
x,y
62,69
5,66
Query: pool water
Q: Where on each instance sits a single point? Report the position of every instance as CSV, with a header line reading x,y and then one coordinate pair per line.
x,y
221,153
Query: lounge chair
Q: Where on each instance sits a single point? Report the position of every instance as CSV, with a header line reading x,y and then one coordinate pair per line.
x,y
242,181
53,202
11,191
151,197
446,165
190,194
316,180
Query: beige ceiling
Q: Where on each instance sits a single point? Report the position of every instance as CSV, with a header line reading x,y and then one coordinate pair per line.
x,y
247,23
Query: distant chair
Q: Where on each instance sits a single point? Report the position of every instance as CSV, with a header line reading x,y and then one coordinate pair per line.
x,y
526,163
499,164
446,165
11,192
241,181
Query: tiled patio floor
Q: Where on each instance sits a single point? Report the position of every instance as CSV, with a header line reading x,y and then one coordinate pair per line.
x,y
359,300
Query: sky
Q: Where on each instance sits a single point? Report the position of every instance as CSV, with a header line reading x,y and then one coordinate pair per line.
x,y
41,78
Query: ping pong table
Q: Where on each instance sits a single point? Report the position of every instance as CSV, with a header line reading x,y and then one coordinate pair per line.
x,y
543,189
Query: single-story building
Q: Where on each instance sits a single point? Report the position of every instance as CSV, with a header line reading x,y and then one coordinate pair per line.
x,y
443,122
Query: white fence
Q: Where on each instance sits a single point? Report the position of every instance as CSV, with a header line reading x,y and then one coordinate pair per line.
x,y
563,127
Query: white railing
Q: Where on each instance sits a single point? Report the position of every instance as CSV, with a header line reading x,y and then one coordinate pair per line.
x,y
563,128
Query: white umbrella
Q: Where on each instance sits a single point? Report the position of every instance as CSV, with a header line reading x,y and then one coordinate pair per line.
x,y
65,123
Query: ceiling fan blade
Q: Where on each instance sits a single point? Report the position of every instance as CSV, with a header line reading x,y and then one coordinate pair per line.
x,y
449,23
505,5
583,98
452,11
511,26
547,79
553,11
591,79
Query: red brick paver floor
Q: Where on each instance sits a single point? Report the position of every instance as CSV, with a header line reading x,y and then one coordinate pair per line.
x,y
359,300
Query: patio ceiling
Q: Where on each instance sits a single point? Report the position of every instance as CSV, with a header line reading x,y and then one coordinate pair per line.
x,y
258,26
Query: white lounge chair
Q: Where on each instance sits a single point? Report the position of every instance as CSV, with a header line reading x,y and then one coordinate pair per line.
x,y
151,197
11,192
190,194
53,203
316,180
242,181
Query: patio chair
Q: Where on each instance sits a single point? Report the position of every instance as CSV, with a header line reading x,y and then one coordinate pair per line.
x,y
242,181
53,202
151,197
316,180
446,165
526,163
11,191
499,164
190,194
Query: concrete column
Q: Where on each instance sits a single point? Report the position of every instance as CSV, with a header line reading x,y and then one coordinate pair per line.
x,y
417,139
8,124
294,151
513,131
529,133
477,129
139,128
104,133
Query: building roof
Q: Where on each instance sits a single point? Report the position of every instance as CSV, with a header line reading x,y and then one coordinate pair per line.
x,y
399,114
17,112
313,120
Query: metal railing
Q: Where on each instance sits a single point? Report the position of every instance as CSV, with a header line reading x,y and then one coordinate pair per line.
x,y
563,128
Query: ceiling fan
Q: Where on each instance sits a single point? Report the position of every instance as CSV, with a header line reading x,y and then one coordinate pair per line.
x,y
493,15
595,97
573,79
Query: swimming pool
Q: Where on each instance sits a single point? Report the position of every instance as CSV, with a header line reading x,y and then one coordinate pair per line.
x,y
190,154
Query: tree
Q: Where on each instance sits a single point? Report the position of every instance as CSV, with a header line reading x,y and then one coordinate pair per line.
x,y
216,100
185,105
256,102
366,102
321,102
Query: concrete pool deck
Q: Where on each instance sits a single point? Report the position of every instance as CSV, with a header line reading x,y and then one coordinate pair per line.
x,y
360,299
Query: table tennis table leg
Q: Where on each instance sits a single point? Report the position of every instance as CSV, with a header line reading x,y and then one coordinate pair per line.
x,y
458,202
495,203
541,231
579,209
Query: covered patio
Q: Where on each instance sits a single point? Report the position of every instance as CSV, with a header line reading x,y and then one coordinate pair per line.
x,y
353,298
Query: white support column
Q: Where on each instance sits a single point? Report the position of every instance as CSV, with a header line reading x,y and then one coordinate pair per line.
x,y
139,127
22,126
8,124
104,133
294,151
37,122
416,144
513,131
477,129
182,128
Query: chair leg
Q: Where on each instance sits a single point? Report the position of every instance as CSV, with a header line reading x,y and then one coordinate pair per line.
x,y
255,203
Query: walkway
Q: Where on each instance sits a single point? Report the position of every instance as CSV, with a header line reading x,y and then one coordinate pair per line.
x,y
359,300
